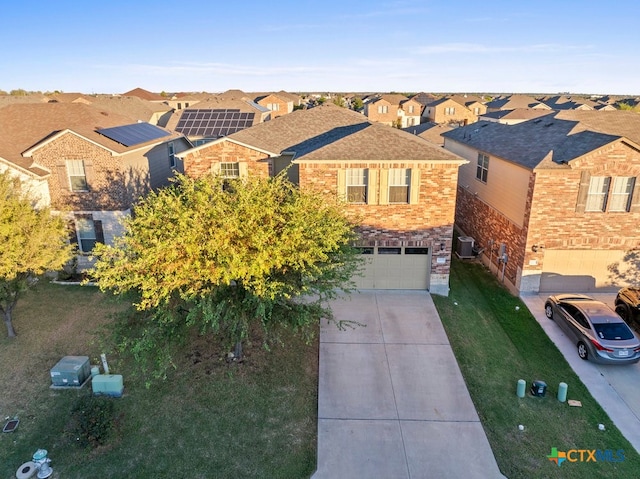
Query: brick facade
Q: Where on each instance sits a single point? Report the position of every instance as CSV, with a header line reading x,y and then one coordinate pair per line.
x,y
107,180
428,222
551,220
200,162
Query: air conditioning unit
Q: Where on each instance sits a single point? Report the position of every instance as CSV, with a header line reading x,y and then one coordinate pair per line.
x,y
464,247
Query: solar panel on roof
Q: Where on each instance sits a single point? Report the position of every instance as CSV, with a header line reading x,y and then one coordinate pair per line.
x,y
134,134
213,123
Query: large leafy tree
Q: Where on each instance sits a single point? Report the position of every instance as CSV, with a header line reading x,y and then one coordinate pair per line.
x,y
33,242
222,255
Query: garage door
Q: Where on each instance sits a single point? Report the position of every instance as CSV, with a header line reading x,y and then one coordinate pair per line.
x,y
578,270
395,268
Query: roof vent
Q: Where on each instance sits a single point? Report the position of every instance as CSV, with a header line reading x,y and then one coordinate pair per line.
x,y
548,125
537,121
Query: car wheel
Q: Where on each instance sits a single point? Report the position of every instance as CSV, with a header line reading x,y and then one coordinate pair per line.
x,y
548,310
583,352
623,312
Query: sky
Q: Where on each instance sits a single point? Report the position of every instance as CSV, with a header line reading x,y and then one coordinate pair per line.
x,y
542,46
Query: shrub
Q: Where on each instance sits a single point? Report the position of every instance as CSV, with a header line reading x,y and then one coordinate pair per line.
x,y
92,420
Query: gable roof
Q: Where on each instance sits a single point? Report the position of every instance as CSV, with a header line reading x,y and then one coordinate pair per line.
x,y
25,126
551,140
515,101
515,114
331,133
144,95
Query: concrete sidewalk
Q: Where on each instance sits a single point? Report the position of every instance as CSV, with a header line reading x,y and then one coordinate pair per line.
x,y
615,388
392,402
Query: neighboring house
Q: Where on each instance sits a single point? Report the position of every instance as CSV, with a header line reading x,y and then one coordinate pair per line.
x,y
181,101
145,95
152,112
393,110
511,102
400,188
279,104
558,195
513,117
424,99
217,117
86,163
448,111
561,102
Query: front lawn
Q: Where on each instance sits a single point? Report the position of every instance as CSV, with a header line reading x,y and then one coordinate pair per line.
x,y
496,342
209,419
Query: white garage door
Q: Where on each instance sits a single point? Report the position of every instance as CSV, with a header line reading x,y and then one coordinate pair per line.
x,y
395,268
574,271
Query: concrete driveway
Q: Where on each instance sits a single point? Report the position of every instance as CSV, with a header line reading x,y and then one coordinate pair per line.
x,y
616,388
392,402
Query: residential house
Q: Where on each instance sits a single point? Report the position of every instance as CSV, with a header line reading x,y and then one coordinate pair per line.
x,y
562,102
145,95
86,163
399,187
449,111
393,110
280,103
181,101
217,117
511,102
513,117
553,202
424,99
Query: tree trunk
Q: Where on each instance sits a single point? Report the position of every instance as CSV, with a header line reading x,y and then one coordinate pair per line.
x,y
9,324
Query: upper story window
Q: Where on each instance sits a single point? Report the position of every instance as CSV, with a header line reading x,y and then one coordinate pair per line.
x,y
399,181
610,194
383,108
172,154
482,170
411,108
450,111
77,175
357,185
273,106
476,110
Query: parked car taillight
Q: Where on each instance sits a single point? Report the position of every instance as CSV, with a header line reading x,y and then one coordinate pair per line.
x,y
600,347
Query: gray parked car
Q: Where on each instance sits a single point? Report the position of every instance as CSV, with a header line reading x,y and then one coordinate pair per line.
x,y
597,331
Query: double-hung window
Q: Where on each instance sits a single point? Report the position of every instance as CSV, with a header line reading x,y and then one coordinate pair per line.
x,y
77,175
230,170
357,185
383,108
399,181
598,192
482,169
620,193
609,194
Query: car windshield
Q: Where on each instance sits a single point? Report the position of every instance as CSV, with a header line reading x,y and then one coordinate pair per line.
x,y
613,331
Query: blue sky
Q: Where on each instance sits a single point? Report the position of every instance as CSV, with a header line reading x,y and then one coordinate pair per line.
x,y
351,46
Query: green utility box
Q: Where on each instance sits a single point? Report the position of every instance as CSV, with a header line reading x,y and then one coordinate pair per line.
x,y
71,371
107,385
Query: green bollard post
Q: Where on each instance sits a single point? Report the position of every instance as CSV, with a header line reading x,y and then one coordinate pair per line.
x,y
522,384
562,392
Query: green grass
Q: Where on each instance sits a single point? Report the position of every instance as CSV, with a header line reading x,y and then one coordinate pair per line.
x,y
210,419
496,345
